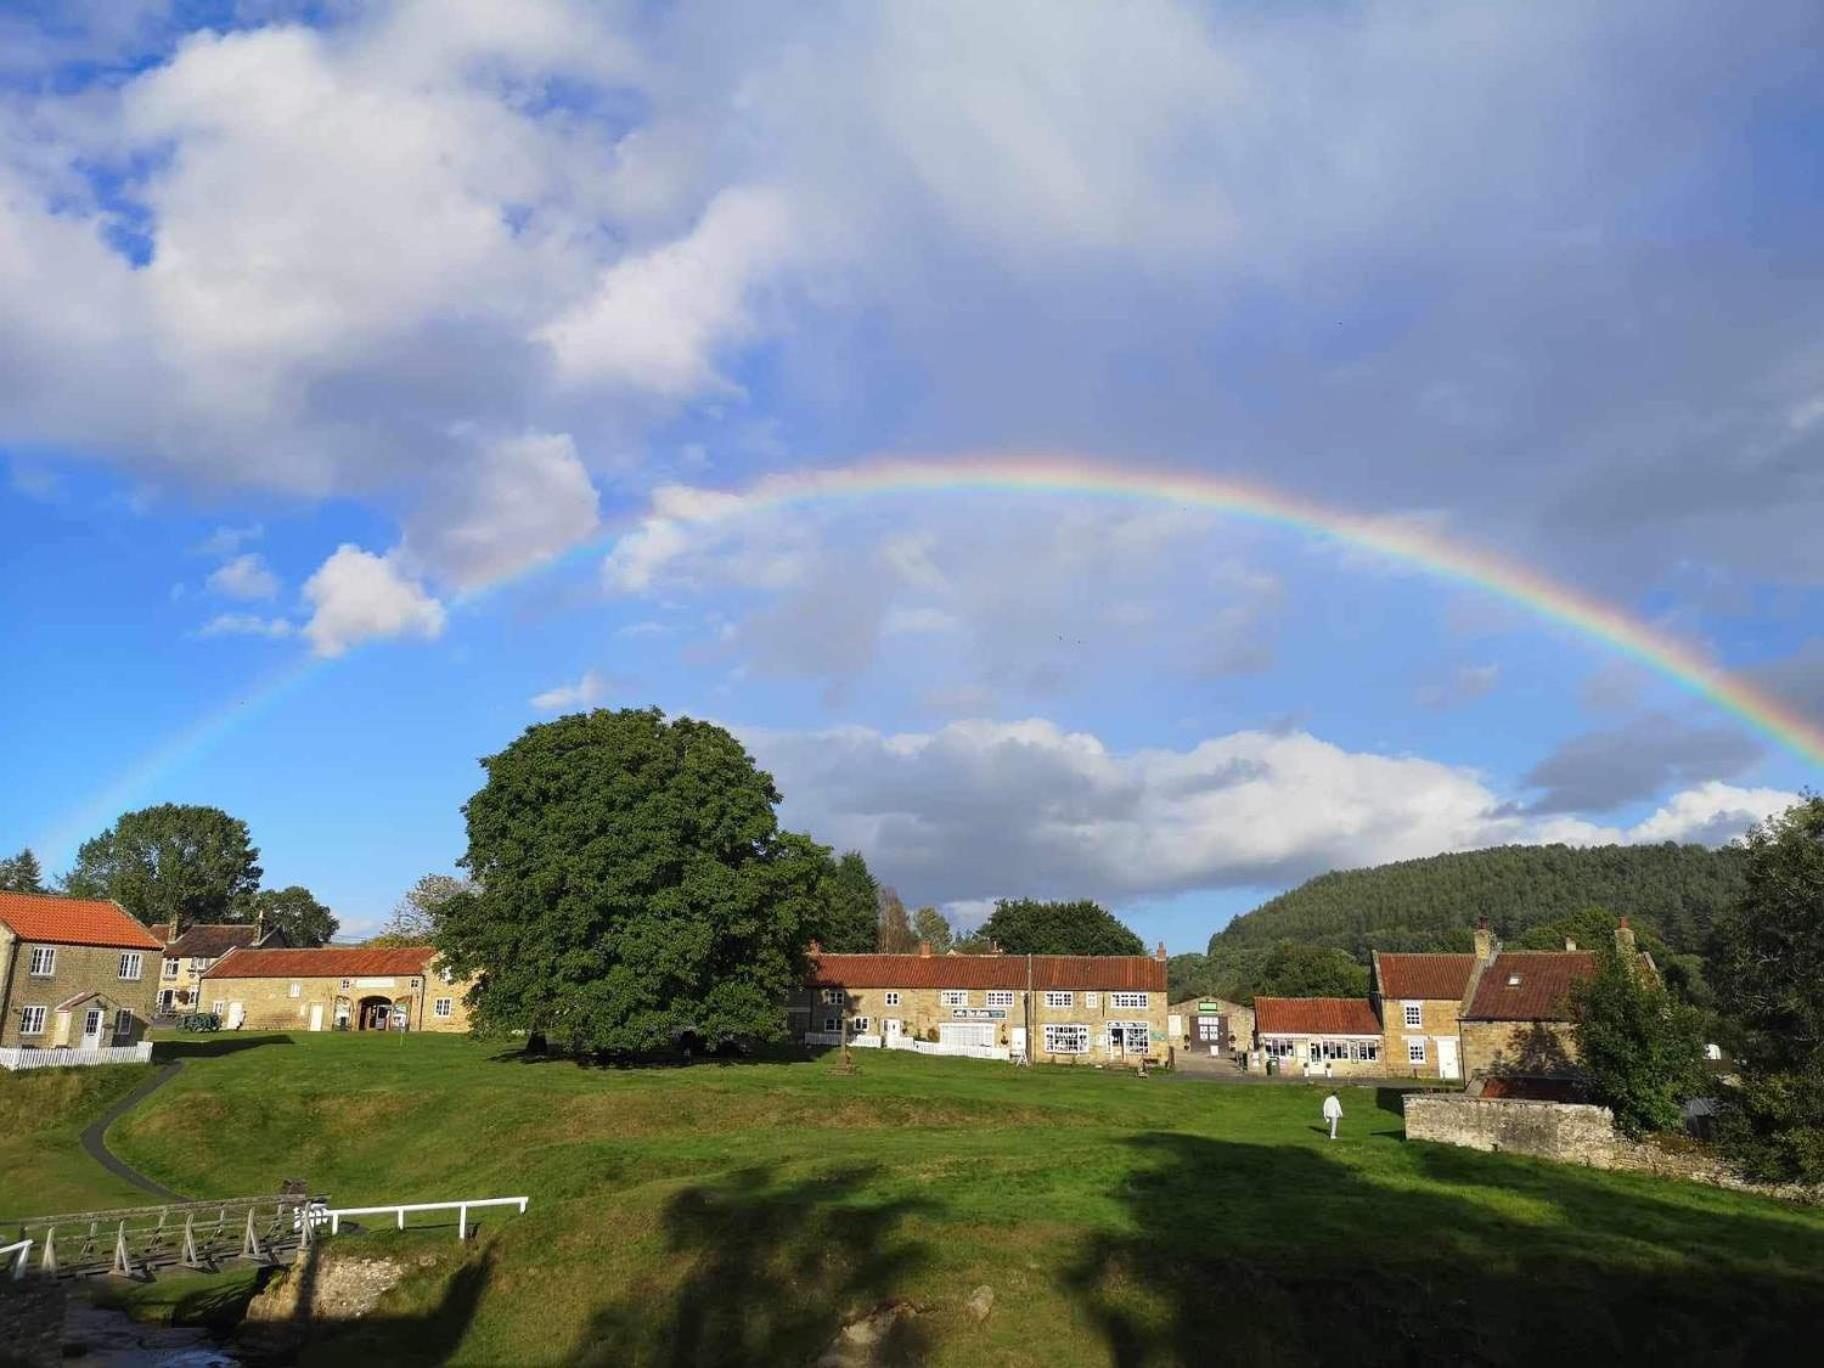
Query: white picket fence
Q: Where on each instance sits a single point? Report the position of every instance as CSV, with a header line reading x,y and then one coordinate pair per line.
x,y
905,1042
17,1058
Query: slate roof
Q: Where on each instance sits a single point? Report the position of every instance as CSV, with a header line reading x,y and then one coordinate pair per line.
x,y
1090,973
211,940
1425,976
1315,1016
51,920
330,961
1542,992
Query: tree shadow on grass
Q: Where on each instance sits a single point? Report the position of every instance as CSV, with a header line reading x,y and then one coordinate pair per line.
x,y
1282,1255
768,1271
670,1059
212,1046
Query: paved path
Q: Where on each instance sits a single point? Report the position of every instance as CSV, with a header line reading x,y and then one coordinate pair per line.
x,y
94,1141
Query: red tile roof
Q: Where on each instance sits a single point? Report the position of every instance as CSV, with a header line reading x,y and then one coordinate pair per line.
x,y
1425,976
1544,987
1111,973
1315,1016
353,961
46,918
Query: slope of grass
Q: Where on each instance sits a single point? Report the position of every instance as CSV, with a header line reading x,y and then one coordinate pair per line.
x,y
738,1213
43,1170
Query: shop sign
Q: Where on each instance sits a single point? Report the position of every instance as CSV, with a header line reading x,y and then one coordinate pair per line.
x,y
979,1013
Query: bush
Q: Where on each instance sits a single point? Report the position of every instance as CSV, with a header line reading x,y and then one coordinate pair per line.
x,y
199,1021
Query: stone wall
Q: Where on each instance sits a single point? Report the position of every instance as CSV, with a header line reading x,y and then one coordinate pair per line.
x,y
1528,1049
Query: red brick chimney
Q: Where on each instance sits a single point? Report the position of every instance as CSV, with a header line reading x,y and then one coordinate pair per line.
x,y
1159,954
924,949
1624,938
816,946
1485,940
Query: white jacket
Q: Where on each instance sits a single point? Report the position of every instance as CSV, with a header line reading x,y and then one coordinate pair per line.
x,y
1333,1109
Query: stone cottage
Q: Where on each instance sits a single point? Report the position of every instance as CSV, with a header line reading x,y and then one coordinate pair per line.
x,y
75,973
340,988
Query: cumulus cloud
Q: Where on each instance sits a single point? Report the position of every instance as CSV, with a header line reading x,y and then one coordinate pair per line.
x,y
584,693
1601,770
245,624
356,596
247,576
982,809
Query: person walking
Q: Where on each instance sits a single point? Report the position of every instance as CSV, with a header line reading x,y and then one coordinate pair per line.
x,y
1333,1112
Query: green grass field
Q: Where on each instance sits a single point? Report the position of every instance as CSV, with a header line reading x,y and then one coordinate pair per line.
x,y
739,1213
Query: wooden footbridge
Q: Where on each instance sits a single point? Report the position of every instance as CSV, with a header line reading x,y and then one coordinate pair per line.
x,y
135,1242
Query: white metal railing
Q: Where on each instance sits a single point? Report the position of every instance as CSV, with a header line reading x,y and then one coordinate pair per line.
x,y
334,1215
17,1057
20,1252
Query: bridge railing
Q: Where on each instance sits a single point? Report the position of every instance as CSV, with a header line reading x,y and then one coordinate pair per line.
x,y
398,1211
199,1235
20,1252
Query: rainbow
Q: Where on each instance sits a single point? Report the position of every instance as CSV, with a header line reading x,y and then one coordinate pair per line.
x,y
1401,541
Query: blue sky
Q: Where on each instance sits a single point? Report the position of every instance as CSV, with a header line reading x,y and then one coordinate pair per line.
x,y
365,368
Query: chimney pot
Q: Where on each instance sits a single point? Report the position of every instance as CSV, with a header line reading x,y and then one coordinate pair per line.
x,y
924,949
1485,939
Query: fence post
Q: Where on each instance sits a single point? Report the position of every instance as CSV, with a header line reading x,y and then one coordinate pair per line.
x,y
462,1222
47,1260
402,1218
123,1262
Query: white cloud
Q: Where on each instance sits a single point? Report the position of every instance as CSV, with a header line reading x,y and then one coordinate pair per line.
x,y
357,596
520,502
247,576
1711,813
245,624
584,693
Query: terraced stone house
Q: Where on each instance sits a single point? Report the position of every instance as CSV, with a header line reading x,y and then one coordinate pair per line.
x,y
190,954
75,974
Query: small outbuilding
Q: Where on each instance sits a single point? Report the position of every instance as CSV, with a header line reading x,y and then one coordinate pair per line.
x,y
1321,1037
341,988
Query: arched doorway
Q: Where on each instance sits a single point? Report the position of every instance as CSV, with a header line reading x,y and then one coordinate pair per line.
x,y
373,1013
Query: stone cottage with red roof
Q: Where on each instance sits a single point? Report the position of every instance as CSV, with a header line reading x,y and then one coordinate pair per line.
x,y
190,954
1054,1009
335,988
1326,1037
1419,999
75,974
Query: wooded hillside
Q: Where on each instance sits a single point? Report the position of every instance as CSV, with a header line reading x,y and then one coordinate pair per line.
x,y
1431,904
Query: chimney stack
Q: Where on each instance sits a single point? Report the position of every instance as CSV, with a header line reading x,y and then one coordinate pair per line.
x,y
1159,954
816,946
1624,938
924,949
1485,940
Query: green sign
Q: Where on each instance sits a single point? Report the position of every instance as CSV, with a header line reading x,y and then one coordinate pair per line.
x,y
1203,1007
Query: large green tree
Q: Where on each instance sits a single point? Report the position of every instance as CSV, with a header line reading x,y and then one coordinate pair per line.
x,y
21,874
851,898
1767,962
1642,1049
1025,926
1291,970
632,885
170,861
929,925
295,911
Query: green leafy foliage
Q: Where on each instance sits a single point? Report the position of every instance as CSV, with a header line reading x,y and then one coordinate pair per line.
x,y
928,924
1641,1049
1240,973
172,861
851,897
632,886
1432,904
295,911
21,874
1768,965
1024,926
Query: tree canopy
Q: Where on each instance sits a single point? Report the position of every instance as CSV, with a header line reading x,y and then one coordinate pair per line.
x,y
928,924
632,886
1642,1049
414,919
1768,966
172,861
1025,926
851,896
1432,904
295,911
1239,973
894,934
20,873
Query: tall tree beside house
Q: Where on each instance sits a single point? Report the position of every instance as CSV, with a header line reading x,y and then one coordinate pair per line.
x,y
21,873
851,906
1025,926
1642,1049
295,911
414,919
1593,928
928,924
1767,961
895,935
170,862
632,886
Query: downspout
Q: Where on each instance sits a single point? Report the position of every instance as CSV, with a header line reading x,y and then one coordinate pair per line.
x,y
1029,1020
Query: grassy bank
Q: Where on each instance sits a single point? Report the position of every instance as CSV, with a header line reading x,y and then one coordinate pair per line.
x,y
43,1170
737,1213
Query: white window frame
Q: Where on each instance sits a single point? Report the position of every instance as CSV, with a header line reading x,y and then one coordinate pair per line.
x,y
198,964
1413,1013
123,1022
1000,997
1058,998
1066,1037
858,1025
1092,1000
892,998
954,997
1415,1051
296,990
830,1023
44,962
443,1007
170,970
1129,1001
131,959
218,1008
31,1021
833,997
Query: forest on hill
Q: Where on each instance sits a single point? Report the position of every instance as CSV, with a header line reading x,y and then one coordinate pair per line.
x,y
1432,903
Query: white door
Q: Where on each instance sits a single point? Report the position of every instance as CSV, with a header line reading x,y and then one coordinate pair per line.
x,y
1019,1042
316,1016
891,1028
91,1029
1447,1056
236,1015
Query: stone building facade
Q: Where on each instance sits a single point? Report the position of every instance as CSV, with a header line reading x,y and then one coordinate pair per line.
x,y
74,973
1419,999
1320,1037
335,989
1210,1026
191,952
1054,1009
